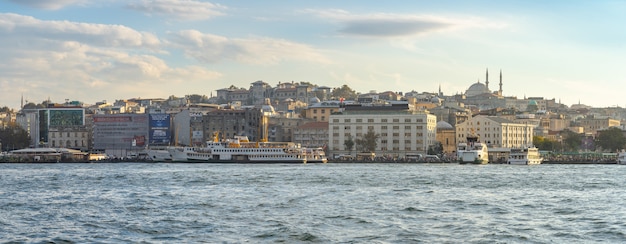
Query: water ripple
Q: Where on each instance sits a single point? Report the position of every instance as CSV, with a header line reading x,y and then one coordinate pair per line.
x,y
331,203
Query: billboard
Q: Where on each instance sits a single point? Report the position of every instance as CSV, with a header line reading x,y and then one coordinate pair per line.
x,y
66,117
159,129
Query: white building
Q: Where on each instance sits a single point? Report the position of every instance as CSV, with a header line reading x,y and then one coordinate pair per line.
x,y
400,130
496,132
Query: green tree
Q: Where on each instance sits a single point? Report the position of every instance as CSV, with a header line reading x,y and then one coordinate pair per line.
x,y
611,139
435,149
13,137
571,140
195,98
349,144
368,142
345,92
545,144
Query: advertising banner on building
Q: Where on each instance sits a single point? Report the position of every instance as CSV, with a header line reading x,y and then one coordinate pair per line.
x,y
159,128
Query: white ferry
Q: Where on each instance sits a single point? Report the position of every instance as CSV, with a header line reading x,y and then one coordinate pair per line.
x,y
472,151
315,155
158,154
621,157
240,150
525,156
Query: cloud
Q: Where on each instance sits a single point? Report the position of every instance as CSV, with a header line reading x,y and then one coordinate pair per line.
x,y
19,27
385,25
257,50
47,4
179,9
87,62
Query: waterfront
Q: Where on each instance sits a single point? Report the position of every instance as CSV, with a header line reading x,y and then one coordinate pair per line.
x,y
327,203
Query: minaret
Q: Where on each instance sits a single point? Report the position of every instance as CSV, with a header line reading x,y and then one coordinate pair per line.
x,y
439,89
487,79
500,91
22,102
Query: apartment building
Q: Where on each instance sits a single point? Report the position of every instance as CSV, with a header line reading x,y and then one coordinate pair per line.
x,y
496,132
401,130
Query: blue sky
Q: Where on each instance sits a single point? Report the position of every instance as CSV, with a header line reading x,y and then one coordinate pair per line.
x,y
88,50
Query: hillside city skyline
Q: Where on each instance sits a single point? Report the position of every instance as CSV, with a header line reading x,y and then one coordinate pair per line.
x,y
25,100
88,50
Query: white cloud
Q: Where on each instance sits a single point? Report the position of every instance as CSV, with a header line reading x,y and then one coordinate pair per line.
x,y
48,4
20,27
86,62
257,50
387,25
179,9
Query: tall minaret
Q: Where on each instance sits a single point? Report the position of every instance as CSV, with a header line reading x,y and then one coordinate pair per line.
x,y
22,102
487,79
439,89
500,91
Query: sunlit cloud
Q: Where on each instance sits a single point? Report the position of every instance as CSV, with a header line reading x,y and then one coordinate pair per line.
x,y
48,4
388,25
256,50
20,27
179,9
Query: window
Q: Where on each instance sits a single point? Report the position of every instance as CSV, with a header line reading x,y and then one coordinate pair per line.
x,y
359,120
407,120
383,120
396,120
370,120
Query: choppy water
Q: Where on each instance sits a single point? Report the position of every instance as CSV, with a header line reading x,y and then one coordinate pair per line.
x,y
331,203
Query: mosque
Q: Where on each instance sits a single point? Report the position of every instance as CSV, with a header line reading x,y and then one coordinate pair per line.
x,y
478,88
478,94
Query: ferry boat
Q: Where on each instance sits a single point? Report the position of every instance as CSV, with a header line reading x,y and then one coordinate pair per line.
x,y
315,155
524,156
240,150
472,151
158,154
621,157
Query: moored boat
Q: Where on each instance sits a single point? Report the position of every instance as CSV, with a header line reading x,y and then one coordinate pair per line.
x,y
473,151
621,157
158,154
524,156
315,155
240,150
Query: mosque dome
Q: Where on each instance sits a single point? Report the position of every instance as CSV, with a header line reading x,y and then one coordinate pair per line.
x,y
269,109
314,100
442,125
532,102
477,89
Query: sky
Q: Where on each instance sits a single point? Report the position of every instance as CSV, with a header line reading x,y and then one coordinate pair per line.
x,y
96,50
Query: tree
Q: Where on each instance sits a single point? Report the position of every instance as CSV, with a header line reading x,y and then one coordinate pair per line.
x,y
195,98
571,140
13,137
435,149
368,142
345,92
349,144
545,144
611,139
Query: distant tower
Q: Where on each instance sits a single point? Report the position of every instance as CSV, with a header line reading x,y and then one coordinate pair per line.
x,y
500,91
487,79
22,102
440,94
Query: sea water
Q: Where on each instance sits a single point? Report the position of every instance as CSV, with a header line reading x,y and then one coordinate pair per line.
x,y
311,203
